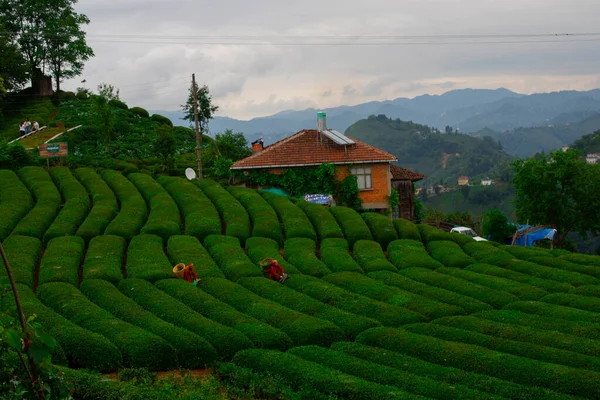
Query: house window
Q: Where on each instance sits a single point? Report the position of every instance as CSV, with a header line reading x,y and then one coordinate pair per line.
x,y
363,177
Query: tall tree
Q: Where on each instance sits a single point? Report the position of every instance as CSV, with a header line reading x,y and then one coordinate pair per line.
x,y
560,190
104,111
232,146
13,68
206,109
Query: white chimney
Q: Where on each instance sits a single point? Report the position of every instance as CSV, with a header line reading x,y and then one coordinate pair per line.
x,y
321,121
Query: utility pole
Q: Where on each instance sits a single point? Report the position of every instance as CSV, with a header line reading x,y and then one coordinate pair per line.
x,y
198,136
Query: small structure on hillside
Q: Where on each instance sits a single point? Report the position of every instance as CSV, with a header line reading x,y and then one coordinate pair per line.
x,y
487,182
403,180
592,158
463,180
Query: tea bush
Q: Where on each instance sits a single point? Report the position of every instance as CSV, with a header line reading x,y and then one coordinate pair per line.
x,y
259,248
352,224
407,253
23,253
295,223
324,223
371,258
540,271
335,255
554,311
104,259
406,229
449,253
230,257
15,202
300,252
543,284
186,250
381,227
104,204
573,300
558,263
146,259
61,260
132,214
264,219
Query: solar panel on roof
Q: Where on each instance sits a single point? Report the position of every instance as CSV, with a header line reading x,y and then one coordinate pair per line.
x,y
337,137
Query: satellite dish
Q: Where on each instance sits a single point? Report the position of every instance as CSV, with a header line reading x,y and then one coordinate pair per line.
x,y
190,174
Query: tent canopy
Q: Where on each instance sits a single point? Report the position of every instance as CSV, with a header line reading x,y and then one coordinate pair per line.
x,y
529,234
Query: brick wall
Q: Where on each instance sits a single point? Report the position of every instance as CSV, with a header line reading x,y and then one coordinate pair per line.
x,y
381,180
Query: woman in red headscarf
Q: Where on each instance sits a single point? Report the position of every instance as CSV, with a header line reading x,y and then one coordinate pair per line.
x,y
190,275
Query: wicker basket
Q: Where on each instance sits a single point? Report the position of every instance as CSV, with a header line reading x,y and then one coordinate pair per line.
x,y
178,270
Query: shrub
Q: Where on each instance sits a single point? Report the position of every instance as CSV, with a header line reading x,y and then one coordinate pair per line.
x,y
486,252
449,253
353,226
146,259
201,217
161,120
381,227
230,257
522,291
118,104
468,304
104,206
261,334
431,234
573,301
15,202
371,258
583,259
76,206
259,248
484,361
233,213
164,219
406,229
453,376
47,202
140,111
387,314
295,223
376,290
298,373
407,253
494,298
587,290
324,223
351,324
461,240
61,260
83,349
187,249
104,259
192,351
384,375
335,255
554,311
133,342
540,271
301,328
226,341
132,214
558,263
525,253
544,284
264,219
23,253
300,252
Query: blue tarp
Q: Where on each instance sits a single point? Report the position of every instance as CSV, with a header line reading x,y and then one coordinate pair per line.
x,y
534,235
278,191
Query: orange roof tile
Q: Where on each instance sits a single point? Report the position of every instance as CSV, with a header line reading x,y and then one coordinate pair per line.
x,y
399,173
305,148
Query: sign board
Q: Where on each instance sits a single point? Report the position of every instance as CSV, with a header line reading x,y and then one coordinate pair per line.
x,y
50,150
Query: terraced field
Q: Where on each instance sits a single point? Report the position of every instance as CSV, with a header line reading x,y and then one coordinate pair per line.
x,y
374,309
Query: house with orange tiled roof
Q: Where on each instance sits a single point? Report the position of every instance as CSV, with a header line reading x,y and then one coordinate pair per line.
x,y
313,147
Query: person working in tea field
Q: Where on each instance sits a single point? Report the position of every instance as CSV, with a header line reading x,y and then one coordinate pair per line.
x,y
273,270
189,274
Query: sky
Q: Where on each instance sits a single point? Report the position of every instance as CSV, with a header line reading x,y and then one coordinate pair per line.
x,y
265,56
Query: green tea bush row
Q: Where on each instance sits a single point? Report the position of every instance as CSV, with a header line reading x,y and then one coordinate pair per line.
x,y
186,250
554,311
83,349
300,252
134,210
76,206
529,350
15,202
146,259
550,273
301,328
525,253
558,263
461,240
351,324
295,223
406,229
407,253
352,224
450,375
481,360
449,253
431,234
387,314
61,260
377,290
523,334
335,254
233,213
192,351
104,204
164,219
224,340
104,259
468,304
522,291
261,334
47,203
573,301
23,253
230,257
259,248
587,290
486,252
544,284
201,216
385,375
381,227
371,258
583,259
324,223
494,298
138,347
300,373
264,219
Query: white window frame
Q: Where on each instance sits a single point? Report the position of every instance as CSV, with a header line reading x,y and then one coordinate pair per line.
x,y
364,177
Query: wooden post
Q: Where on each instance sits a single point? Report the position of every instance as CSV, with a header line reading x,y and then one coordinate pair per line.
x,y
198,136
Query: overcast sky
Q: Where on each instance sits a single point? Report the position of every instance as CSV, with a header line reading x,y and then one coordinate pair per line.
x,y
301,54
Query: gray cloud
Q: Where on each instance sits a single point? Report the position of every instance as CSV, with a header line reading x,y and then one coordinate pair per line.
x,y
348,91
